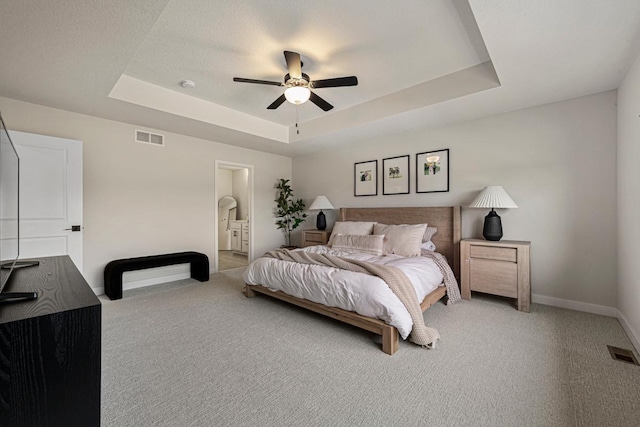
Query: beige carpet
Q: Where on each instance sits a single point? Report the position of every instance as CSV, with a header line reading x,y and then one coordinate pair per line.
x,y
201,354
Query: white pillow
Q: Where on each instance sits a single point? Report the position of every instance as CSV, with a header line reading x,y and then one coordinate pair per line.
x,y
428,246
360,228
401,239
370,244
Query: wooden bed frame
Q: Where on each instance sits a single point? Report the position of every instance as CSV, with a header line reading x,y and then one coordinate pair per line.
x,y
447,241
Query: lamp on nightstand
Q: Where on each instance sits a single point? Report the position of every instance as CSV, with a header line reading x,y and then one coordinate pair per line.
x,y
321,202
492,197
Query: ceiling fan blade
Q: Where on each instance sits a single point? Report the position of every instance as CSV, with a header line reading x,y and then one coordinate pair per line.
x,y
320,102
260,82
278,102
293,64
336,82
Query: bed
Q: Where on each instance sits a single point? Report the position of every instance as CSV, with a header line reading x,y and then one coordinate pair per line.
x,y
447,239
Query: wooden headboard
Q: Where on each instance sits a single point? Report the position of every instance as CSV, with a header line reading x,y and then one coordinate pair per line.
x,y
445,219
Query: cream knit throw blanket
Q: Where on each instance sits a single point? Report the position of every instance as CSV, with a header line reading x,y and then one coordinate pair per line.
x,y
453,292
397,281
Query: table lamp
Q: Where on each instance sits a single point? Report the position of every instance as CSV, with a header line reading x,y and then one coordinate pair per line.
x,y
492,197
321,202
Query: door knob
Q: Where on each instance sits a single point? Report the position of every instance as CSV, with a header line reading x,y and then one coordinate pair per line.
x,y
73,228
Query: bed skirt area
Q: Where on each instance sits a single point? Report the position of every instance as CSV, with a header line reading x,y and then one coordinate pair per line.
x,y
390,336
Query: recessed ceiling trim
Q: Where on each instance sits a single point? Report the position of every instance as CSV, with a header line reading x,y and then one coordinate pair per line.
x,y
471,80
139,92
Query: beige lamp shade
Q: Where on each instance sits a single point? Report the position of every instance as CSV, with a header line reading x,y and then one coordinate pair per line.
x,y
493,196
320,203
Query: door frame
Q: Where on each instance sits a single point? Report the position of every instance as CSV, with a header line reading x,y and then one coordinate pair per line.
x,y
232,165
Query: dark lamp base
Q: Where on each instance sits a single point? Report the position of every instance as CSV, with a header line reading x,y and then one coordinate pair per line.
x,y
492,227
321,222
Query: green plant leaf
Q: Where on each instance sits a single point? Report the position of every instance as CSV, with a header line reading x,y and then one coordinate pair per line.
x,y
290,213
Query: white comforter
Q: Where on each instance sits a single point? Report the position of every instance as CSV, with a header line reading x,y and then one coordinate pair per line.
x,y
367,295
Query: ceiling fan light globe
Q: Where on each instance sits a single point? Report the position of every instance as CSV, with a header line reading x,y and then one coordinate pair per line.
x,y
297,94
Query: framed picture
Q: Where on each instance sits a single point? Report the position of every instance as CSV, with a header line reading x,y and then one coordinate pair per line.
x,y
395,175
432,171
365,176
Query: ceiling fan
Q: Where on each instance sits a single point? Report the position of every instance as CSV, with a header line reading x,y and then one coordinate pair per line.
x,y
298,84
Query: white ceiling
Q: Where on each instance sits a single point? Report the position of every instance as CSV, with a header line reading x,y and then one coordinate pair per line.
x,y
426,63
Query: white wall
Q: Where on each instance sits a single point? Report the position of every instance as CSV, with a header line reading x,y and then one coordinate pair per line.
x,y
629,202
225,182
558,163
141,199
240,191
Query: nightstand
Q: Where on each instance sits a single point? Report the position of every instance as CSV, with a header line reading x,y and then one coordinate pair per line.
x,y
498,268
314,237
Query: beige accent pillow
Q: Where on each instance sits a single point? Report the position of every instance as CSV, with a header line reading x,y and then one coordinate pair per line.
x,y
360,228
371,244
401,239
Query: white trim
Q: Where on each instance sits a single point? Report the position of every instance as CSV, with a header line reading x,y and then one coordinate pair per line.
x,y
147,282
603,310
633,335
155,281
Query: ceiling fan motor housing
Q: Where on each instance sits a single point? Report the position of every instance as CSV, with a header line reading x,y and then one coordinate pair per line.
x,y
292,82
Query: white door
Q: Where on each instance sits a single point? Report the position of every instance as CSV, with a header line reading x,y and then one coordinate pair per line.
x,y
50,196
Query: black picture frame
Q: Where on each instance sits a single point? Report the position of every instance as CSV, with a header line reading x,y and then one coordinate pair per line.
x,y
432,176
395,175
365,178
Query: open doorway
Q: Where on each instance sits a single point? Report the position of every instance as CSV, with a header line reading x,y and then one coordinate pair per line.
x,y
234,196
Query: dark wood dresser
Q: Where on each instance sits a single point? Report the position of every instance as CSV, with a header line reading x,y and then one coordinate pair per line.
x,y
50,348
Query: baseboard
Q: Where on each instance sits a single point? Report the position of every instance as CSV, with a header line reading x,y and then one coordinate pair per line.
x,y
155,281
147,282
603,310
633,335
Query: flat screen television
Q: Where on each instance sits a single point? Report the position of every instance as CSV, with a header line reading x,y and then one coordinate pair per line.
x,y
10,217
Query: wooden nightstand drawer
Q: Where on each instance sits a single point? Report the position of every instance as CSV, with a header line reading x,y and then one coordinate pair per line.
x,y
494,277
492,252
498,268
314,237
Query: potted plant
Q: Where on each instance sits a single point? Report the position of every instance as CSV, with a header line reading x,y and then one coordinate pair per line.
x,y
290,213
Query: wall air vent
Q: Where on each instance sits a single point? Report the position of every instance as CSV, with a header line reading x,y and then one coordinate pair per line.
x,y
149,137
623,355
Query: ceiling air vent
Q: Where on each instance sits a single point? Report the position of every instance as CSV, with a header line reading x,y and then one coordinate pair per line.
x,y
149,138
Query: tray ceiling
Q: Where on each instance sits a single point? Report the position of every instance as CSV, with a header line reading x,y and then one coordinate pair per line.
x,y
427,63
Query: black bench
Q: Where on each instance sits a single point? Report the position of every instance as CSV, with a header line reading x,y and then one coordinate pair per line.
x,y
113,271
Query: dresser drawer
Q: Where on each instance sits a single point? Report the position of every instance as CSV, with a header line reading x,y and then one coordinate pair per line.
x,y
494,277
494,253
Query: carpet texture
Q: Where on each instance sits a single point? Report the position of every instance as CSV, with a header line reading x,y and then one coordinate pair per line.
x,y
201,354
